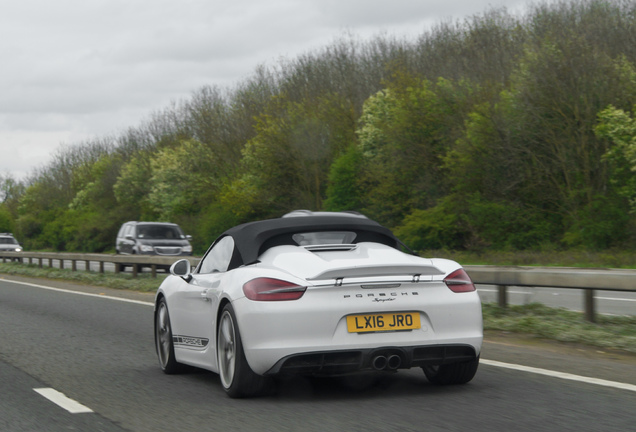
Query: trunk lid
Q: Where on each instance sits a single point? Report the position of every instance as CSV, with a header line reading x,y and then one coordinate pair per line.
x,y
363,260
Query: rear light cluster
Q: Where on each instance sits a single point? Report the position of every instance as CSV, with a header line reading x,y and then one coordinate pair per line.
x,y
459,281
269,289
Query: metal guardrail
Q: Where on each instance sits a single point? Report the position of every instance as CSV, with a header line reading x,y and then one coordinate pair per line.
x,y
588,280
136,262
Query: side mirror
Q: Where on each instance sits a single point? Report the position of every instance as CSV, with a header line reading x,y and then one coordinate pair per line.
x,y
189,237
129,237
182,269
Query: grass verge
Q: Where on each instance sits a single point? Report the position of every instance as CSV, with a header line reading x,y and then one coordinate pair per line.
x,y
538,320
144,282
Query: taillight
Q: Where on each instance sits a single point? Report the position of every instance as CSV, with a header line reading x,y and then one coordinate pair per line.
x,y
459,281
268,289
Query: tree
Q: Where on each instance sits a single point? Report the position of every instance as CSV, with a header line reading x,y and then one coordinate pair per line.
x,y
11,191
344,190
619,128
132,187
91,221
285,166
405,131
536,148
183,179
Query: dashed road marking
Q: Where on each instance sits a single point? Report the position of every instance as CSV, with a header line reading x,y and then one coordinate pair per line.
x,y
63,401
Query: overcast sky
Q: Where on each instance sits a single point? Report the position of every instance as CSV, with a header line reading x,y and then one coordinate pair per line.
x,y
76,69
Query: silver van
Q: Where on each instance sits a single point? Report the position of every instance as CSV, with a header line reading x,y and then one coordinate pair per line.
x,y
152,238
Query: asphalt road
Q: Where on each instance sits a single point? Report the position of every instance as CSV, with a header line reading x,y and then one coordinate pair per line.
x,y
98,351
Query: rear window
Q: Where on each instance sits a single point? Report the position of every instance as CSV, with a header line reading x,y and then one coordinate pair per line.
x,y
324,238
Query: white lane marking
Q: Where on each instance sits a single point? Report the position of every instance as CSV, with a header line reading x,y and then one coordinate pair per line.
x,y
509,292
615,299
63,401
80,293
562,375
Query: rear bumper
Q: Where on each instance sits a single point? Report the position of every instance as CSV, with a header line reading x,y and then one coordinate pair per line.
x,y
384,358
273,332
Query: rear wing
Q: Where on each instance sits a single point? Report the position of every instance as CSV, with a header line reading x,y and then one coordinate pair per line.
x,y
379,271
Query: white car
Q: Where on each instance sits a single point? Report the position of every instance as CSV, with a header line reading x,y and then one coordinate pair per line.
x,y
316,294
8,243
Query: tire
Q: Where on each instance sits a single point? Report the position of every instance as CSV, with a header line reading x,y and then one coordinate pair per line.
x,y
163,340
237,378
455,373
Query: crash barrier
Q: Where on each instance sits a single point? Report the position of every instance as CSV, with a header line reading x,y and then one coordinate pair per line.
x,y
588,280
120,262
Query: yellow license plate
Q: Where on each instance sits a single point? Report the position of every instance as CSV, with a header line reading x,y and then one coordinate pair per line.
x,y
383,322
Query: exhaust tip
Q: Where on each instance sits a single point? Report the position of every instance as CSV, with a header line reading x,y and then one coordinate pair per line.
x,y
394,362
379,362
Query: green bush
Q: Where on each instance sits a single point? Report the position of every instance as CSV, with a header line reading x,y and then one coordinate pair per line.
x,y
597,225
344,190
213,221
6,221
506,226
435,228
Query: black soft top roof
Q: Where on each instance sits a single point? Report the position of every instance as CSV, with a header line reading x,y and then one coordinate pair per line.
x,y
254,238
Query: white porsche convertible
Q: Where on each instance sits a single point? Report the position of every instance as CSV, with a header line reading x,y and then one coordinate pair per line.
x,y
316,294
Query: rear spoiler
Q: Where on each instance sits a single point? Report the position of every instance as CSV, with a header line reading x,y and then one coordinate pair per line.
x,y
376,271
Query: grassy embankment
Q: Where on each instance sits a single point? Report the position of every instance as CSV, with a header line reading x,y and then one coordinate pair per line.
x,y
609,332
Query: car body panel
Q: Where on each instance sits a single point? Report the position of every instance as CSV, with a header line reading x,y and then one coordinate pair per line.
x,y
193,307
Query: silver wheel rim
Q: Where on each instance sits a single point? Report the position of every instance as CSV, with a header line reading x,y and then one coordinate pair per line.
x,y
227,349
164,334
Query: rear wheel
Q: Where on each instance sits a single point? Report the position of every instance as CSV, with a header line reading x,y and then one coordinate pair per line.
x,y
455,373
237,377
163,339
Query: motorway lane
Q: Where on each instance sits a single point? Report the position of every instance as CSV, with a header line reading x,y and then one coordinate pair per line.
x,y
78,345
19,402
100,352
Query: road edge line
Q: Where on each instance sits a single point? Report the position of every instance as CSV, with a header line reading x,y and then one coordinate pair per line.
x,y
80,293
561,375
